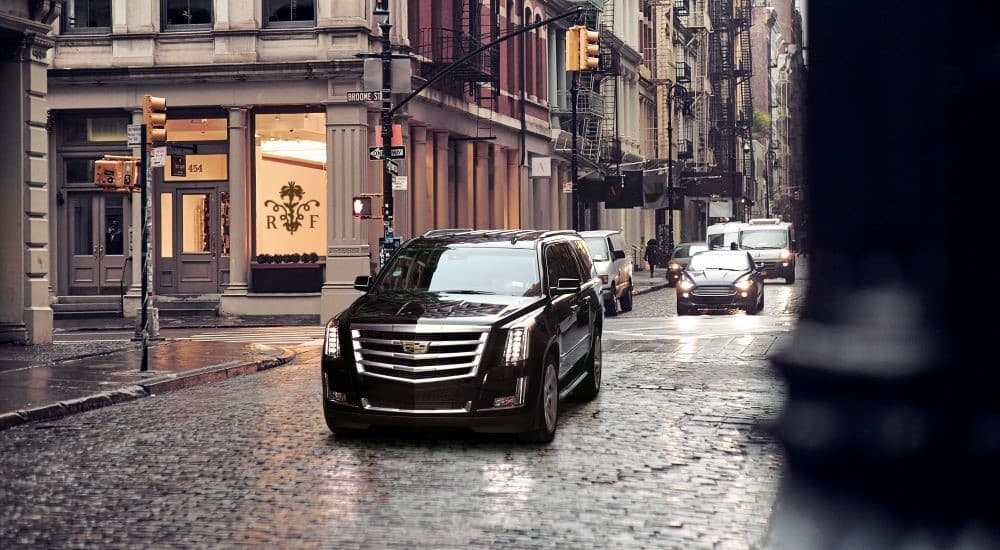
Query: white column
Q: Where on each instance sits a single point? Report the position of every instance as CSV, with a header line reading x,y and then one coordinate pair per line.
x,y
239,184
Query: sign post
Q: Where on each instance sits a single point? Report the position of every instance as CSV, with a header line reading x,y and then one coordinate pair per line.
x,y
388,243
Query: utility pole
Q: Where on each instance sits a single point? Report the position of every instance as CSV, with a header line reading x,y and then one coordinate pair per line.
x,y
154,132
574,91
673,92
388,242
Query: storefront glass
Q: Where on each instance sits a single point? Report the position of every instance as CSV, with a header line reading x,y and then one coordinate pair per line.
x,y
290,182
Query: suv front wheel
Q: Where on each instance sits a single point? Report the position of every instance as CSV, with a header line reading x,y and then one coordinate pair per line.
x,y
547,408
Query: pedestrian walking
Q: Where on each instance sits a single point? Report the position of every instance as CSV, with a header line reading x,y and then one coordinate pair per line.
x,y
652,254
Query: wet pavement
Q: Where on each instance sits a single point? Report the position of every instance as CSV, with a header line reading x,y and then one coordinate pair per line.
x,y
49,381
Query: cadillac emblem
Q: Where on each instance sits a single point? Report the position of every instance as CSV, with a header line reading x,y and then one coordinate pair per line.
x,y
416,347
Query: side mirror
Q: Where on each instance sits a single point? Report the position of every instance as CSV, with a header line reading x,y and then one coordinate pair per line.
x,y
618,254
363,283
566,286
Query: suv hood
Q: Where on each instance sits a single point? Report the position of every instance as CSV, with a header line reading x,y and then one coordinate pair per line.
x,y
437,307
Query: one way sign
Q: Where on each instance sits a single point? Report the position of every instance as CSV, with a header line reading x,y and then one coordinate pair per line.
x,y
375,153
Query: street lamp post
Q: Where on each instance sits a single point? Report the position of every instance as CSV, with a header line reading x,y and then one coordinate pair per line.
x,y
767,184
675,91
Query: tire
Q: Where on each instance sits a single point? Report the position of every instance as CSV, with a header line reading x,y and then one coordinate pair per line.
x,y
626,300
547,407
756,306
591,386
790,279
611,304
683,311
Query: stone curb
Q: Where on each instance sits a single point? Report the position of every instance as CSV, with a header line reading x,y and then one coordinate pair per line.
x,y
156,386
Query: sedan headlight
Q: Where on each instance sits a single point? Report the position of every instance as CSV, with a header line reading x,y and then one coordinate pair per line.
x,y
331,341
744,285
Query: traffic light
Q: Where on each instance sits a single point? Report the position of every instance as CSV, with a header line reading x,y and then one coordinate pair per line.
x,y
362,207
587,50
154,117
573,48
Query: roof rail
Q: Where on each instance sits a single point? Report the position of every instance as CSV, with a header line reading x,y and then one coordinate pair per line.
x,y
558,232
765,221
452,231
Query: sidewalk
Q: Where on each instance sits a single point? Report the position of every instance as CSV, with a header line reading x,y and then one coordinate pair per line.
x,y
46,382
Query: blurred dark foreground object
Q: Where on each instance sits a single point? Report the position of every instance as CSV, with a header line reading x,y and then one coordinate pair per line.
x,y
892,425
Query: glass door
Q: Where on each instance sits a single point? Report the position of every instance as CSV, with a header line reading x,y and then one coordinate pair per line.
x,y
99,238
196,240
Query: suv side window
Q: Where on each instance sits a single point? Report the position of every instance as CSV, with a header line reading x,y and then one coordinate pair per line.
x,y
681,252
559,263
587,268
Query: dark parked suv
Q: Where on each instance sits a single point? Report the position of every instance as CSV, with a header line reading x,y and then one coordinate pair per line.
x,y
483,329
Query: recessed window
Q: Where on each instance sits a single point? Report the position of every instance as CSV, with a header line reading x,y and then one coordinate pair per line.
x,y
86,16
181,14
279,13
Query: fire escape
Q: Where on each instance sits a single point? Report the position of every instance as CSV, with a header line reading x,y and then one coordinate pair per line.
x,y
478,77
731,108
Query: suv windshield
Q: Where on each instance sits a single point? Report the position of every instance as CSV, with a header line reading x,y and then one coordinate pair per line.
x,y
464,270
763,238
598,247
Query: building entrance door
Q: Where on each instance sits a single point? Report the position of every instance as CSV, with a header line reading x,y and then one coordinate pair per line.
x,y
98,234
190,241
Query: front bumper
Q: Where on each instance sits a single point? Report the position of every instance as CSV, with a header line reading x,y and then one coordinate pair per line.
x,y
733,300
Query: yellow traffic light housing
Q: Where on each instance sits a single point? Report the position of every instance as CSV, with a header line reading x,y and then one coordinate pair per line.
x,y
573,48
154,117
590,51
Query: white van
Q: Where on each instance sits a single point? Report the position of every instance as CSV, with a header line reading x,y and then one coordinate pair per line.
x,y
721,236
771,242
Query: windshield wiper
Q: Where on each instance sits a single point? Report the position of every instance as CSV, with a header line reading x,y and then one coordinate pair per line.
x,y
465,291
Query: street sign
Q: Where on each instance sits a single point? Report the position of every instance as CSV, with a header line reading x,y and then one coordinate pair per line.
x,y
159,157
356,97
399,183
375,153
134,135
392,167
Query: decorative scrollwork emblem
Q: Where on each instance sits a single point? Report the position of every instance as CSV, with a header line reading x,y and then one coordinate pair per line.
x,y
291,211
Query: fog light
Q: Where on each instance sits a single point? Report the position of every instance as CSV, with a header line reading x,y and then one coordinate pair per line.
x,y
516,400
338,396
744,294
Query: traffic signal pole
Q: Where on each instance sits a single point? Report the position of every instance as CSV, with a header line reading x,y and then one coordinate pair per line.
x,y
145,197
388,243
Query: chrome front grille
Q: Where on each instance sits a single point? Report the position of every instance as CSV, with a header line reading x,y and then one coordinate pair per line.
x,y
713,290
418,353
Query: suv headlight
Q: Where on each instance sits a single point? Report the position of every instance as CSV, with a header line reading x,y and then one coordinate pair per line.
x,y
685,284
744,284
331,341
786,254
515,350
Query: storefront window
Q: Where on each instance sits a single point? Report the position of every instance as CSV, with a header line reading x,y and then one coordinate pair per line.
x,y
96,129
290,183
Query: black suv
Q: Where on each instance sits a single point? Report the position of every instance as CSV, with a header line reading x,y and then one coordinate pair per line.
x,y
482,329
